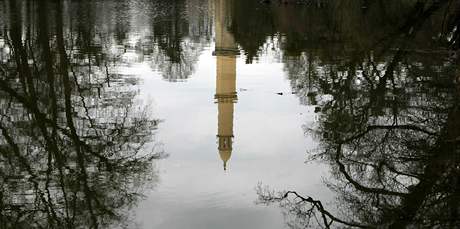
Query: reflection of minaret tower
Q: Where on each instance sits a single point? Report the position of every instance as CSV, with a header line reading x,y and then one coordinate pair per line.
x,y
225,52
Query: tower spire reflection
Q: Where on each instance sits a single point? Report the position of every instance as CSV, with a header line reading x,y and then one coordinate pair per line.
x,y
226,51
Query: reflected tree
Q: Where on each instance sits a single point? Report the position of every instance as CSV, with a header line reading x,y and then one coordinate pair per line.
x,y
181,30
170,26
388,128
246,16
76,147
339,27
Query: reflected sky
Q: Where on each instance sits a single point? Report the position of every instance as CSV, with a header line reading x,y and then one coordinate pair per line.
x,y
194,185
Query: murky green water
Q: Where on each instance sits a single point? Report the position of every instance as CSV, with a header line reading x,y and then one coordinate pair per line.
x,y
202,114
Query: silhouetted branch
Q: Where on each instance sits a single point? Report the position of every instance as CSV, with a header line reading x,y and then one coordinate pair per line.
x,y
267,197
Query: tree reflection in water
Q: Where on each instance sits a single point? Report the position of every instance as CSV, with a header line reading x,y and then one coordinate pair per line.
x,y
389,126
76,147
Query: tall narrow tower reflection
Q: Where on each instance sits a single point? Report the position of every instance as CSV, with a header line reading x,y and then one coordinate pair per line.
x,y
226,52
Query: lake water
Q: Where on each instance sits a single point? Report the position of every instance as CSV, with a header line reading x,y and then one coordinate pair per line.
x,y
202,114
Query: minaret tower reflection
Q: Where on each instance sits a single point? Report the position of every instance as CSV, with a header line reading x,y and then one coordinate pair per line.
x,y
226,52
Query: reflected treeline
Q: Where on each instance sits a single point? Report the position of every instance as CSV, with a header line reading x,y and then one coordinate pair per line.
x,y
389,118
76,147
166,35
340,28
181,30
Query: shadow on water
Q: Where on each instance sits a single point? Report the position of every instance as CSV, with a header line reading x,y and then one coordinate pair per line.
x,y
386,84
76,147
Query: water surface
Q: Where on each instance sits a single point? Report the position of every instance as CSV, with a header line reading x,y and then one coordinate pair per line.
x,y
196,113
